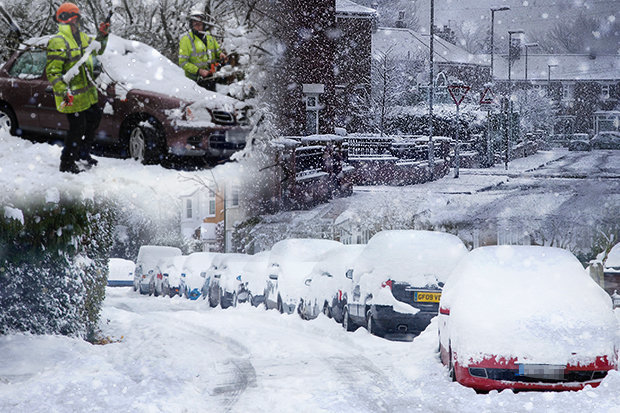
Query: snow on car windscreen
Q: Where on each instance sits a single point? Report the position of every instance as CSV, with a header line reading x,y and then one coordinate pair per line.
x,y
527,301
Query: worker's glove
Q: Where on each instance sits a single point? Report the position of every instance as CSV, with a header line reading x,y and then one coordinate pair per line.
x,y
67,99
104,29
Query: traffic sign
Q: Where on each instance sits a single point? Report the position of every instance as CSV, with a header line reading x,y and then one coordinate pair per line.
x,y
487,97
458,93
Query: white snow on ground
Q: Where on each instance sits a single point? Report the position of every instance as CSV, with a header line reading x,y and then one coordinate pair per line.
x,y
175,355
30,170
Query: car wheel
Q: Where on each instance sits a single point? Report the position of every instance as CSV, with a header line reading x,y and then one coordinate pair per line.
x,y
234,300
279,307
250,299
145,142
346,320
155,292
8,121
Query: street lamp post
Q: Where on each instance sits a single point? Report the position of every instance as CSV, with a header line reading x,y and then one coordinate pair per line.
x,y
493,10
509,134
528,45
431,91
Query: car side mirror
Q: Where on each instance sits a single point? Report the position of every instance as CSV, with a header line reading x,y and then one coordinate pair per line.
x,y
349,274
165,274
308,281
203,274
273,277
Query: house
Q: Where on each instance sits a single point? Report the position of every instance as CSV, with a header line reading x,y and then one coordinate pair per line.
x,y
324,67
209,215
411,50
579,84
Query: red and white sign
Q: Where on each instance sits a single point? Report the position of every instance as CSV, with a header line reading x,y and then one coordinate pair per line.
x,y
487,97
458,93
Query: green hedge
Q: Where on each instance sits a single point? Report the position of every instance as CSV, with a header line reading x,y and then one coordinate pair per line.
x,y
53,266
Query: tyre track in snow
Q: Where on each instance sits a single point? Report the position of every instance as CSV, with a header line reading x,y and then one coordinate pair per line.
x,y
368,388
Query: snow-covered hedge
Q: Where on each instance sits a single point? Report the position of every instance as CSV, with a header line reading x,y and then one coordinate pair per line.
x,y
413,120
53,266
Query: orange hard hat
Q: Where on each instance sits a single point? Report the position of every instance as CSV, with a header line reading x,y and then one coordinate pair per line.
x,y
67,13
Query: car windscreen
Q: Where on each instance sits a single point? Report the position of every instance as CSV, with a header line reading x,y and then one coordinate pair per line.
x,y
29,65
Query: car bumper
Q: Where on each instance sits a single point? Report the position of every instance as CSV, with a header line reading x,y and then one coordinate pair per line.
x,y
219,143
120,283
393,324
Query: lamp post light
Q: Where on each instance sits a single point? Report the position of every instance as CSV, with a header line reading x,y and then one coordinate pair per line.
x,y
528,45
493,10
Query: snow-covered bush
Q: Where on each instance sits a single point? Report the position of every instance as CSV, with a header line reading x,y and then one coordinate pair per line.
x,y
53,266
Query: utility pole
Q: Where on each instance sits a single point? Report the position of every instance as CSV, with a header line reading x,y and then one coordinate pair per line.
x,y
431,92
493,10
510,90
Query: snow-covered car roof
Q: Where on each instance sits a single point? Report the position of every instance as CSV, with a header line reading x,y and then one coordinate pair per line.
x,y
529,302
337,261
418,257
150,255
300,249
198,262
121,269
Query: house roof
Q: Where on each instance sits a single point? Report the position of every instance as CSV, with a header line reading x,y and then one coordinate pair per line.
x,y
569,67
349,8
409,44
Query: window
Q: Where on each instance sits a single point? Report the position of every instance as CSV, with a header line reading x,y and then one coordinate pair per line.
x,y
605,91
30,65
212,206
234,196
188,208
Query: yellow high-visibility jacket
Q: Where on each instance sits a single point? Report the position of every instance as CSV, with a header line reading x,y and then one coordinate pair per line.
x,y
63,53
195,54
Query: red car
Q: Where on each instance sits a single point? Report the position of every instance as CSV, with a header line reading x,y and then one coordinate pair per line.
x,y
150,109
525,318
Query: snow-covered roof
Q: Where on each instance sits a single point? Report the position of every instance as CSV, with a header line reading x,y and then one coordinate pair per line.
x,y
569,67
407,44
349,8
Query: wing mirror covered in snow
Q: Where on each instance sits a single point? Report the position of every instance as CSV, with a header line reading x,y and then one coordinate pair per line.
x,y
308,281
203,274
349,274
273,277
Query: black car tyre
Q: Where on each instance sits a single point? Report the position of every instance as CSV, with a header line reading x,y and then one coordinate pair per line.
x,y
145,141
8,121
346,320
250,299
279,307
451,373
234,300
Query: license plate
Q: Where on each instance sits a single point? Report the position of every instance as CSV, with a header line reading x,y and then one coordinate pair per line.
x,y
542,371
236,135
424,297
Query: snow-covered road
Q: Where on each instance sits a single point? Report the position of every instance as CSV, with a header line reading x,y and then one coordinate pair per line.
x,y
175,355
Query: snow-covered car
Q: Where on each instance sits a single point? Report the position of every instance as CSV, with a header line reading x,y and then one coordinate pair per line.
x,y
194,275
525,318
254,277
147,276
171,269
120,272
606,140
226,285
611,270
327,285
398,279
150,109
579,145
290,262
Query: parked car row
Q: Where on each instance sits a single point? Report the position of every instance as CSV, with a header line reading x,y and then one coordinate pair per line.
x,y
519,317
